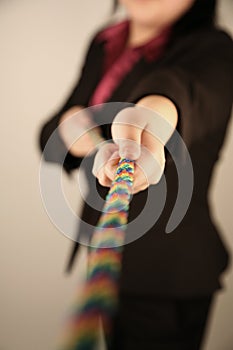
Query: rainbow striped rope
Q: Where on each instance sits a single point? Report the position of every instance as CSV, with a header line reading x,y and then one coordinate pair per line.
x,y
100,296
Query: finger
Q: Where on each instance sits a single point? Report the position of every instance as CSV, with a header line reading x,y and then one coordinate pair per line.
x,y
100,162
103,179
107,173
111,165
127,129
139,188
149,168
156,156
102,156
140,178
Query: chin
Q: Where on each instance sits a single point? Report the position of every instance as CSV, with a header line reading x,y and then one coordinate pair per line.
x,y
145,14
146,19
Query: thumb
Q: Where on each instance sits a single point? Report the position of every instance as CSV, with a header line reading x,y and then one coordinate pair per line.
x,y
129,149
126,133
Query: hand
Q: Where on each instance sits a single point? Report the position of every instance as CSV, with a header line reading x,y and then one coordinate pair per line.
x,y
134,133
73,128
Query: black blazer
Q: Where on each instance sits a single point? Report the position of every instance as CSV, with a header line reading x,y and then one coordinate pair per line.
x,y
196,73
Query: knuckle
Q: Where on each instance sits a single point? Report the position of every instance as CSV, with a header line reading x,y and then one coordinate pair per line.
x,y
93,172
101,181
155,178
109,173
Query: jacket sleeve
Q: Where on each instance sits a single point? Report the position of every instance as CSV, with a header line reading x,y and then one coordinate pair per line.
x,y
201,87
50,142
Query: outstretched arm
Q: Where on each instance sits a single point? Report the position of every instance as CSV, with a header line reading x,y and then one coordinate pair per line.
x,y
137,135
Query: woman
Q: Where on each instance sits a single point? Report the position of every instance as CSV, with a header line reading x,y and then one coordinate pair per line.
x,y
169,57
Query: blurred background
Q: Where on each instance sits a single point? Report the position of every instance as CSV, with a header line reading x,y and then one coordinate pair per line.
x,y
42,49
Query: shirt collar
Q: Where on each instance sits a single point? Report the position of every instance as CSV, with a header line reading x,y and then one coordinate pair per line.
x,y
115,37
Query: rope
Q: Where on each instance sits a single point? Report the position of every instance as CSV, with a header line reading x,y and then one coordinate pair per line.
x,y
100,295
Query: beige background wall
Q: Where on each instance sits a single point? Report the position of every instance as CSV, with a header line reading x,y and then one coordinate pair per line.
x,y
42,46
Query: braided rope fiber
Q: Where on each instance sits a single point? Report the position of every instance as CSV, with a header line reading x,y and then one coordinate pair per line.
x,y
100,294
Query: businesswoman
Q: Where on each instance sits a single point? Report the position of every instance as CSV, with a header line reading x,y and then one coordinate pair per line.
x,y
168,57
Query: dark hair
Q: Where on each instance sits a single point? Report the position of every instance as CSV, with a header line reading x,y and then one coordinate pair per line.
x,y
202,13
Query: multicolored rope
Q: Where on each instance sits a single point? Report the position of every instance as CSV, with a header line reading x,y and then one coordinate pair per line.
x,y
100,295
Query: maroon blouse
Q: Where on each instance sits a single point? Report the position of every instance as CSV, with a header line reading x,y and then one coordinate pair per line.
x,y
119,59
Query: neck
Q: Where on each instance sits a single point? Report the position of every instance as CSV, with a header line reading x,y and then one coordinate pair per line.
x,y
141,33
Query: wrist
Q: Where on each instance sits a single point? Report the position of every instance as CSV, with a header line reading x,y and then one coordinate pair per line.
x,y
162,105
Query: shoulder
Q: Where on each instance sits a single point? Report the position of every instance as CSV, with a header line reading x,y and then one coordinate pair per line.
x,y
213,40
218,40
205,47
219,35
